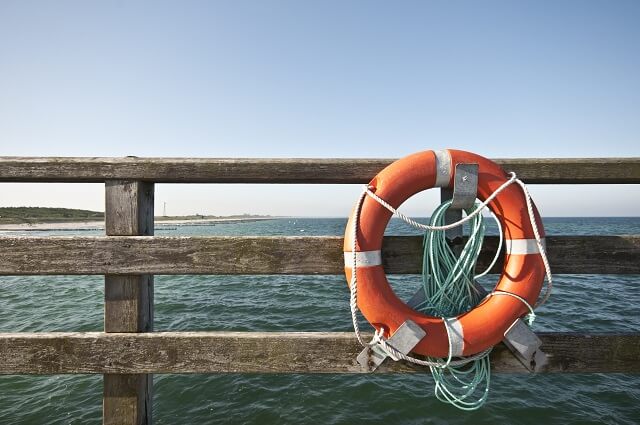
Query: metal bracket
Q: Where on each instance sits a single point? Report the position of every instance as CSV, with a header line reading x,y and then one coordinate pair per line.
x,y
525,346
418,298
465,186
463,196
407,336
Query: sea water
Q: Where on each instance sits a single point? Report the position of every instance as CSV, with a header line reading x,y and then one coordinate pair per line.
x,y
580,303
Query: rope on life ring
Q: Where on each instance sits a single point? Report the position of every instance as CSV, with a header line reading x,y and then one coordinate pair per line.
x,y
469,336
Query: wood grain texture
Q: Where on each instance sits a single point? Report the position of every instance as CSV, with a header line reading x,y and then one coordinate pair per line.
x,y
129,298
128,208
121,401
276,255
128,303
271,352
296,170
128,306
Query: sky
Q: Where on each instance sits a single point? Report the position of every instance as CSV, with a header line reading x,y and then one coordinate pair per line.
x,y
374,79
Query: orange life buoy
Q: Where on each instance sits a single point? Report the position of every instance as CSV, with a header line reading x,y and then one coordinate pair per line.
x,y
522,275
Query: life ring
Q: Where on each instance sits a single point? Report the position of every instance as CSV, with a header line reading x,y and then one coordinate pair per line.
x,y
522,275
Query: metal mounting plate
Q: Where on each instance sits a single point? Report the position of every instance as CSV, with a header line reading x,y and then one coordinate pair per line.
x,y
525,346
465,186
463,196
408,335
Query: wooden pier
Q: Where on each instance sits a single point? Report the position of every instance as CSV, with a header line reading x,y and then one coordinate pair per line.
x,y
128,352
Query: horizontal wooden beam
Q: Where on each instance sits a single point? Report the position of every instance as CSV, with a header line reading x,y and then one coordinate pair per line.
x,y
271,352
276,255
297,170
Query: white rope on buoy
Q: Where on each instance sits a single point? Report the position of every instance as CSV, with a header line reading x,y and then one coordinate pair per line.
x,y
378,338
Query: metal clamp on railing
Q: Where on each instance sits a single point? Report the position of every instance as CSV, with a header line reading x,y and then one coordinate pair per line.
x,y
407,336
463,196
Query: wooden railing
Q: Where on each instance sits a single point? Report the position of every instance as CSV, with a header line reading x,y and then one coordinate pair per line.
x,y
128,352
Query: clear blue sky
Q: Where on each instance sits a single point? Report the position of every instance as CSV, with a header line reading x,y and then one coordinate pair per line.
x,y
317,79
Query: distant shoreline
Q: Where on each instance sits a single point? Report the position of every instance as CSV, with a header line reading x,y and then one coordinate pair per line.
x,y
99,225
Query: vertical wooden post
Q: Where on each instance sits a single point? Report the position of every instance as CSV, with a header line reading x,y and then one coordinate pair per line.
x,y
128,301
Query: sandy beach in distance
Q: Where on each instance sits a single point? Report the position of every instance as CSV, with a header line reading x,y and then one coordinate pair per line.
x,y
97,225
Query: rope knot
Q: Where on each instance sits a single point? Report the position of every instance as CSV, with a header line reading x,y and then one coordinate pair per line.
x,y
530,318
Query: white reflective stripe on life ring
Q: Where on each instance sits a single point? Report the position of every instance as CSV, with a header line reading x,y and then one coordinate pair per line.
x,y
456,336
363,258
523,246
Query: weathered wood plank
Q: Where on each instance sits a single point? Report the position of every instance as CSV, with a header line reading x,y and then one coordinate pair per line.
x,y
128,208
271,352
128,303
297,170
129,298
123,403
128,306
276,255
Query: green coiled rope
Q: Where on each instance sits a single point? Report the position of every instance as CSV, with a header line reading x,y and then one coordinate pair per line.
x,y
448,284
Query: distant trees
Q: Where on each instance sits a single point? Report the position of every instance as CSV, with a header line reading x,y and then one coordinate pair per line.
x,y
35,214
